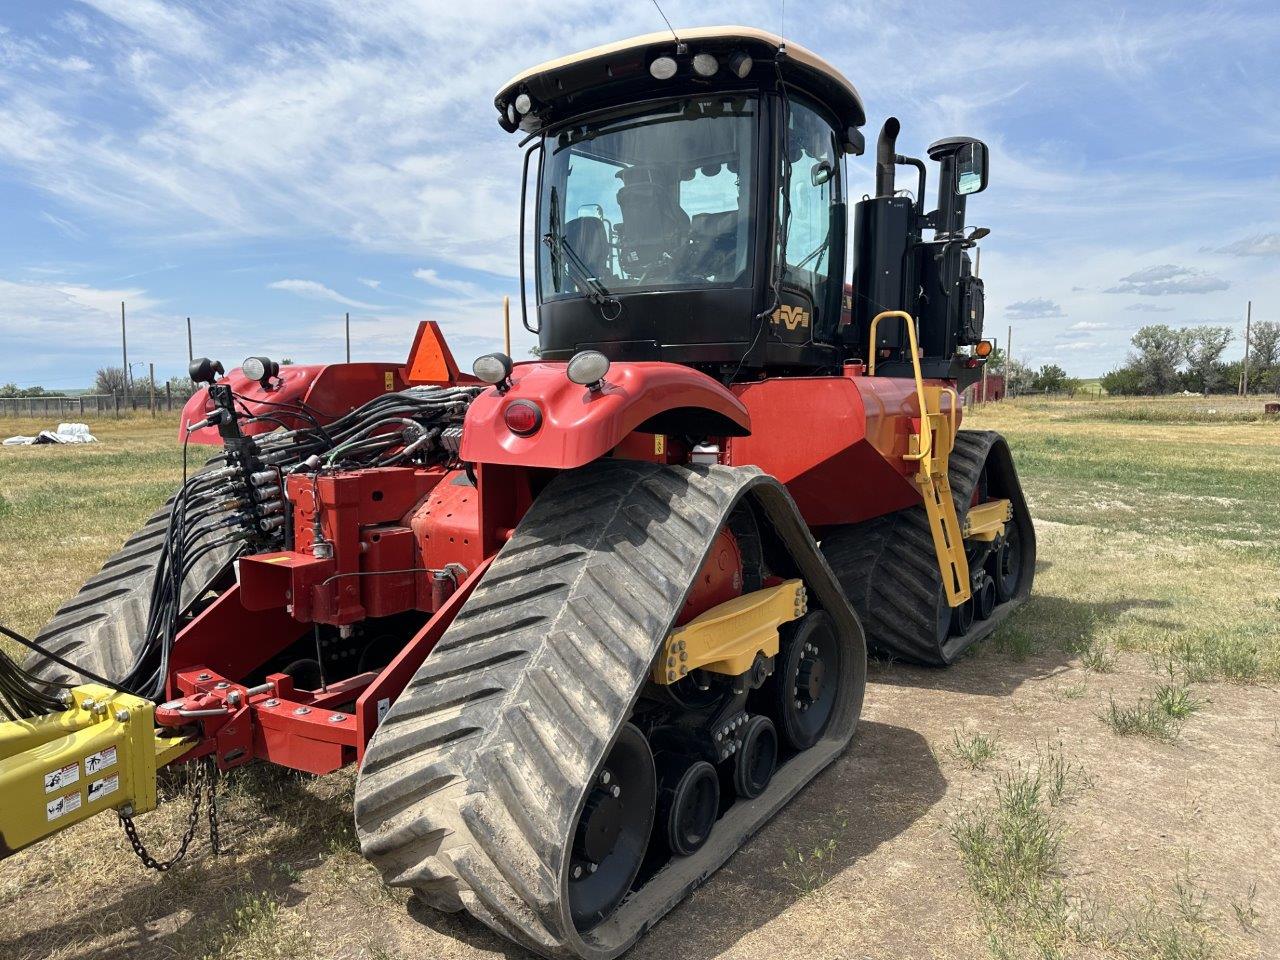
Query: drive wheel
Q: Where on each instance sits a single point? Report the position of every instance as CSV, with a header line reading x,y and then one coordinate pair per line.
x,y
807,681
690,808
1008,564
757,758
613,830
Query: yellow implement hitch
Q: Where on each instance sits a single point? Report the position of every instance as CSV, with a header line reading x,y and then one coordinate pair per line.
x,y
101,753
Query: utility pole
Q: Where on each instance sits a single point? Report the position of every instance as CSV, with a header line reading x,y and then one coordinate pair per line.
x,y
124,349
348,337
1008,361
190,353
1244,374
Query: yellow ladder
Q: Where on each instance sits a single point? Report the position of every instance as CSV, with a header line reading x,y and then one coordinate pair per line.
x,y
930,449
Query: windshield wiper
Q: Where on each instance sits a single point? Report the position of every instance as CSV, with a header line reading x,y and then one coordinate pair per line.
x,y
596,291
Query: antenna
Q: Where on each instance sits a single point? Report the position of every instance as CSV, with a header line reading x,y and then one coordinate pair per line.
x,y
668,22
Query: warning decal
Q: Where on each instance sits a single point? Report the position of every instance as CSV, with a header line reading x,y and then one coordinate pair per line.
x,y
100,788
57,779
99,761
62,806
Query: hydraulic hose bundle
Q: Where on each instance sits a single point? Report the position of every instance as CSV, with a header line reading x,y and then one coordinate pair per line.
x,y
236,504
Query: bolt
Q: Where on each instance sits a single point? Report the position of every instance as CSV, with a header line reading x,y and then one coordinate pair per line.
x,y
301,711
204,676
605,777
273,702
337,717
577,872
616,790
86,704
65,698
122,716
799,706
234,698
221,685
126,810
592,867
719,736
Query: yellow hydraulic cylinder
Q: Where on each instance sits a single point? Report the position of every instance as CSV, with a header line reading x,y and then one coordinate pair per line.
x,y
101,753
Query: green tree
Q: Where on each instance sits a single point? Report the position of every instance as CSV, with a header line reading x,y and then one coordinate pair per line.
x,y
1159,351
1123,381
110,380
1051,378
1202,348
1264,355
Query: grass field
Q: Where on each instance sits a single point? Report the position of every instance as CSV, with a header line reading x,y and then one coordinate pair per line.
x,y
1098,780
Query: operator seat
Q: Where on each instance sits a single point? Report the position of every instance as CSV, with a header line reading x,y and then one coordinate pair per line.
x,y
653,223
587,237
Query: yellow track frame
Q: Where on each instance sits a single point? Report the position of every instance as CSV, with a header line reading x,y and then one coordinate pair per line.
x,y
930,449
101,753
727,638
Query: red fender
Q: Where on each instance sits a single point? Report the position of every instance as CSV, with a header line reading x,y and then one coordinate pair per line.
x,y
581,425
329,391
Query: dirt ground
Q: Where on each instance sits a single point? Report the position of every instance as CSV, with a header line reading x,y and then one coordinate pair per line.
x,y
1150,833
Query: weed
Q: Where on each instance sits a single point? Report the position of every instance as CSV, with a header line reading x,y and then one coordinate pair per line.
x,y
1060,777
1246,911
974,749
808,868
1161,717
1176,702
1099,657
1073,692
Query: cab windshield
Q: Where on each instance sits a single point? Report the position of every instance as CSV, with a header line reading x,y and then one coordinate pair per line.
x,y
656,198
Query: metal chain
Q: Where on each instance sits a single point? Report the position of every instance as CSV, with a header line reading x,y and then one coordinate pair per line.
x,y
201,781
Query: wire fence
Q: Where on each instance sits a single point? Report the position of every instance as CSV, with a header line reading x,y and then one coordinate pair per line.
x,y
166,400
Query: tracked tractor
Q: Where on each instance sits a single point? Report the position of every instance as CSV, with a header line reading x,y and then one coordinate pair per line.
x,y
584,622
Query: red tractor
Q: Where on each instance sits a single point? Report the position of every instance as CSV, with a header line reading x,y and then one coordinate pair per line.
x,y
585,622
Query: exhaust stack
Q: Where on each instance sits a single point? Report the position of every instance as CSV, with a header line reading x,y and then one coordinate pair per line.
x,y
886,152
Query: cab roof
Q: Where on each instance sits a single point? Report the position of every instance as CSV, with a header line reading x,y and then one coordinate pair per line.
x,y
618,71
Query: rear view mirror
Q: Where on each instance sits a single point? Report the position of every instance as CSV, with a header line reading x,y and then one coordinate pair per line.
x,y
592,210
971,168
820,173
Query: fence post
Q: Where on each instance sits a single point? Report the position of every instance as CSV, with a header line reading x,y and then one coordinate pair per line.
x,y
168,396
115,402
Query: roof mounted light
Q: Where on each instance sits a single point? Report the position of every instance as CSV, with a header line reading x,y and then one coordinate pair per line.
x,y
587,368
494,368
740,64
523,103
512,117
204,370
705,65
663,68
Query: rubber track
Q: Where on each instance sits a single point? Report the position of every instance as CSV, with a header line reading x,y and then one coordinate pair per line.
x,y
889,571
101,627
470,788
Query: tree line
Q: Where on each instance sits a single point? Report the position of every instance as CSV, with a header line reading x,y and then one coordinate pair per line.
x,y
1165,359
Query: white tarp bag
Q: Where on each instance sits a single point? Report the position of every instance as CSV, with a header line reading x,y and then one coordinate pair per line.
x,y
66,433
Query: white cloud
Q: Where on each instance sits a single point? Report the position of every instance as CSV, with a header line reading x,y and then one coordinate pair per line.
x,y
371,284
1036,308
1087,325
458,287
1168,278
1148,308
318,291
1258,245
166,25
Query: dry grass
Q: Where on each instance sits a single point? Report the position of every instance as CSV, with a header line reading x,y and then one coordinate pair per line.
x,y
1157,570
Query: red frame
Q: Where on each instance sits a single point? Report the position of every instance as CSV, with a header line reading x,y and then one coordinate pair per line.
x,y
837,443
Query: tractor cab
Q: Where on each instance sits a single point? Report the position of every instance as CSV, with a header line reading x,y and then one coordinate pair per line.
x,y
691,207
691,199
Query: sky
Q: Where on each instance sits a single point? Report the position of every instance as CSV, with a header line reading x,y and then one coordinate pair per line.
x,y
266,166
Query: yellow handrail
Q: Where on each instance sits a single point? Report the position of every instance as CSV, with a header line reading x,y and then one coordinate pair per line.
x,y
926,434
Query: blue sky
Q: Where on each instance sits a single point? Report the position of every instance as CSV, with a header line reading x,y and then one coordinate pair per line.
x,y
265,165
